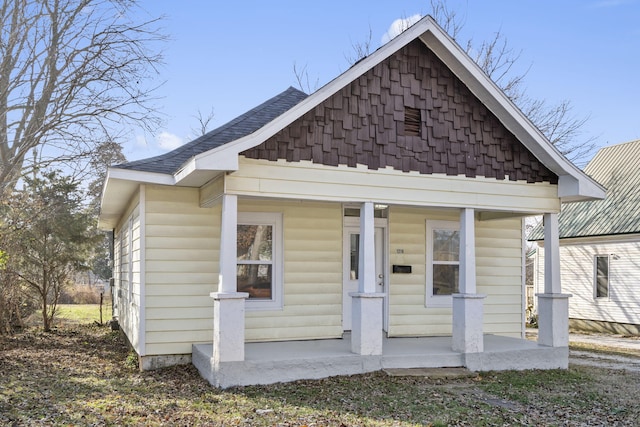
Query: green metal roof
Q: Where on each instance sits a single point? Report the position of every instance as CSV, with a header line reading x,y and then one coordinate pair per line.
x,y
618,169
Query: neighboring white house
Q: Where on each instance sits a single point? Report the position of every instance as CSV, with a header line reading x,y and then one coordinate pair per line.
x,y
375,223
600,246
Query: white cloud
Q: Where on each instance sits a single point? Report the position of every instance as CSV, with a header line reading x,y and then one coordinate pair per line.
x,y
398,26
168,141
141,141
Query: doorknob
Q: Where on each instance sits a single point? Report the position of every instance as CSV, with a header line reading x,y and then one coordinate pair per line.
x,y
380,276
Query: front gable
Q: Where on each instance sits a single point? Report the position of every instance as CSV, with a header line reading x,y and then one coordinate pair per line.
x,y
364,123
466,127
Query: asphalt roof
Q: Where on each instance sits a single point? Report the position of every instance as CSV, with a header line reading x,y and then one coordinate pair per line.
x,y
239,127
618,169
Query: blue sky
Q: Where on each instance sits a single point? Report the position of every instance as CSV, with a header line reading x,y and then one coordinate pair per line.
x,y
233,55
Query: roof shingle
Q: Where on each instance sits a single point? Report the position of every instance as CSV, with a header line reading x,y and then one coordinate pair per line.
x,y
237,128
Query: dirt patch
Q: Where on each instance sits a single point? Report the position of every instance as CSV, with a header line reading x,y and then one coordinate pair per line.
x,y
433,373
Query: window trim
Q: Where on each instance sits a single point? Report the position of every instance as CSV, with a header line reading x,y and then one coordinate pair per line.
x,y
130,257
430,299
273,219
595,277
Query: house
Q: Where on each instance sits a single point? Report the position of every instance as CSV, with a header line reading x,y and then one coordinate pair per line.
x,y
600,246
375,223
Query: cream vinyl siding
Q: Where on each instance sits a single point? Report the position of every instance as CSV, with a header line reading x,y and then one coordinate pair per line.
x,y
318,182
182,249
312,273
498,268
127,273
211,192
577,279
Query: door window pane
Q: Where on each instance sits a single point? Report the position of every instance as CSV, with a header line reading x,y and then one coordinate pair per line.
x,y
379,211
354,256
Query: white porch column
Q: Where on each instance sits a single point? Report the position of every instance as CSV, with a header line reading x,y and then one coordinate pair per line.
x,y
367,260
366,324
228,304
553,305
468,306
467,252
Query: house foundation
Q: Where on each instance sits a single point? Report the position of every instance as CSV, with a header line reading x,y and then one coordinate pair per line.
x,y
273,362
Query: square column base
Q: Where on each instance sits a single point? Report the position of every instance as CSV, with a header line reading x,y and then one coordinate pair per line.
x,y
468,311
366,323
553,319
228,326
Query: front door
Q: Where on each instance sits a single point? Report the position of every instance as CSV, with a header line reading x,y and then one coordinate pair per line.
x,y
351,253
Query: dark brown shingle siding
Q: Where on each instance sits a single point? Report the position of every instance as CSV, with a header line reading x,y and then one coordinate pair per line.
x,y
364,123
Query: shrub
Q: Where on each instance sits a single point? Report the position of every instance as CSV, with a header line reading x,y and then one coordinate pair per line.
x,y
80,294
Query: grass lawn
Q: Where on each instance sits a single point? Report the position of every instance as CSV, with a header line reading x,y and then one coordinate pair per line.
x,y
82,313
82,375
74,315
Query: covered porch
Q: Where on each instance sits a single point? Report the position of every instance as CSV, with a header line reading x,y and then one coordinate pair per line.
x,y
233,360
272,362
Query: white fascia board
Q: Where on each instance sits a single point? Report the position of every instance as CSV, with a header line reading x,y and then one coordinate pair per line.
x,y
117,190
185,171
571,189
116,174
139,176
222,161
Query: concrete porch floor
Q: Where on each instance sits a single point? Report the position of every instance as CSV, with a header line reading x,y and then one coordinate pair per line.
x,y
272,362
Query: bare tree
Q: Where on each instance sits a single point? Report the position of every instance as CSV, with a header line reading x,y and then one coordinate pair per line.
x,y
203,122
72,72
360,49
302,77
497,60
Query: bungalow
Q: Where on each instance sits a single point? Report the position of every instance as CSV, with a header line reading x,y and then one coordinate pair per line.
x,y
600,247
376,223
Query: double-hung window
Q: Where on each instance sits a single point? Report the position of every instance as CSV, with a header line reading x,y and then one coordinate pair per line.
x,y
443,262
601,276
259,259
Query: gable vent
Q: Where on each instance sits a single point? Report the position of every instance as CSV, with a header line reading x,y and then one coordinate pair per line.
x,y
412,121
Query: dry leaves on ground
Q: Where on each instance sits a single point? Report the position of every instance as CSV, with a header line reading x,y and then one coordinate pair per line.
x,y
82,375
